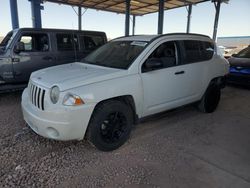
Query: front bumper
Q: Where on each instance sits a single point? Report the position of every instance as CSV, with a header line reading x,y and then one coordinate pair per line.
x,y
66,123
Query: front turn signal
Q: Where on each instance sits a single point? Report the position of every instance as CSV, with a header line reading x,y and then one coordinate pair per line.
x,y
72,100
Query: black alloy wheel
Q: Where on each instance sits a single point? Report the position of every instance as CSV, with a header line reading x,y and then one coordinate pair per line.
x,y
110,125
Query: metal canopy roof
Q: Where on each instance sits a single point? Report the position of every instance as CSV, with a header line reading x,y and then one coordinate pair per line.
x,y
138,7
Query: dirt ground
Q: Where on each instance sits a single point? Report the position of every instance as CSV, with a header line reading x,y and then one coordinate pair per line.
x,y
181,148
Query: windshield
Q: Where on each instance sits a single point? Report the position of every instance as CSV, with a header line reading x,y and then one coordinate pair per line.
x,y
7,40
117,54
245,53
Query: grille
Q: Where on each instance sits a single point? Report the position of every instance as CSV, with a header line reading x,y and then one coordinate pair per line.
x,y
37,96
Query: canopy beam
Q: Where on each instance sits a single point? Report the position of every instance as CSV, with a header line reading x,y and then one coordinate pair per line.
x,y
189,18
36,13
160,16
216,19
14,14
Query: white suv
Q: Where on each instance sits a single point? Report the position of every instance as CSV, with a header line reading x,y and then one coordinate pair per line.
x,y
132,77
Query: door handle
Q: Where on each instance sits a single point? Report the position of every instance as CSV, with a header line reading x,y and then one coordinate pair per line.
x,y
17,73
48,58
180,72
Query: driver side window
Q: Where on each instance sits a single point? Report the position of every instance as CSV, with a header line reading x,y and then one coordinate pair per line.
x,y
163,56
35,42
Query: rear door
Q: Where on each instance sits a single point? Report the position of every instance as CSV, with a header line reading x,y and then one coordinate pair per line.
x,y
196,60
37,55
67,46
90,42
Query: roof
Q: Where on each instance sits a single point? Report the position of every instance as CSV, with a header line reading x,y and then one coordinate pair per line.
x,y
58,30
138,7
149,38
146,38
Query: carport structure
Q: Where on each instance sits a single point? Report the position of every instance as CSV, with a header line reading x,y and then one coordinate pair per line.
x,y
127,7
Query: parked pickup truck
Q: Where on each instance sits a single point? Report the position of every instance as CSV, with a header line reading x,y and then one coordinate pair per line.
x,y
128,78
26,50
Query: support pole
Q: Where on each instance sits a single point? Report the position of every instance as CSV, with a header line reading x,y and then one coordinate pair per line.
x,y
189,18
79,18
36,13
133,31
160,16
127,17
216,19
14,14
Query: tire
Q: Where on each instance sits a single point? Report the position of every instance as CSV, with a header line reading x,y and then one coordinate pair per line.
x,y
110,125
210,99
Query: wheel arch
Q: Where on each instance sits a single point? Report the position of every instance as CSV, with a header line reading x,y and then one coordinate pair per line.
x,y
220,81
127,99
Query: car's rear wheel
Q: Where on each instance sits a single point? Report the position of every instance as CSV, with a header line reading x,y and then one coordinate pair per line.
x,y
210,99
110,125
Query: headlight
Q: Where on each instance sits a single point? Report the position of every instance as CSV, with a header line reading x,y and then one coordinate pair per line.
x,y
54,94
72,100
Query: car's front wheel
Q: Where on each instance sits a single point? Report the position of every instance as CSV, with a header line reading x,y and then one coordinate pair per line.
x,y
110,125
210,99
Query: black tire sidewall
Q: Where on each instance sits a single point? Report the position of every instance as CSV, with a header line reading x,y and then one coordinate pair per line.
x,y
211,99
99,115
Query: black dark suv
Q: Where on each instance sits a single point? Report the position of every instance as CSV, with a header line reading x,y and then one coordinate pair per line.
x,y
26,50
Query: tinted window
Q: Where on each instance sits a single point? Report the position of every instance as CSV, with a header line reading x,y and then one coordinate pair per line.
x,y
67,42
196,51
34,42
207,51
116,54
165,53
92,42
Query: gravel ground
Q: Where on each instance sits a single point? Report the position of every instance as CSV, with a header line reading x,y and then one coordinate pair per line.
x,y
181,148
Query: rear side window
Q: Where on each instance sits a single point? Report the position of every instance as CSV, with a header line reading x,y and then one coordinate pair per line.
x,y
196,51
207,50
91,42
35,42
67,42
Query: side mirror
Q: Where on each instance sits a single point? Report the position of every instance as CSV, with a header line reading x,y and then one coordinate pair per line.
x,y
19,47
153,63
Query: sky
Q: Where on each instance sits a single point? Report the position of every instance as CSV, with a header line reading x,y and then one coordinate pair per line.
x,y
234,19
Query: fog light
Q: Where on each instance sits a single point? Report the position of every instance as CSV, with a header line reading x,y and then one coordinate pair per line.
x,y
52,133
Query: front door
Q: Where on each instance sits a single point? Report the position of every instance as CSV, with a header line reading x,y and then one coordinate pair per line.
x,y
171,84
35,56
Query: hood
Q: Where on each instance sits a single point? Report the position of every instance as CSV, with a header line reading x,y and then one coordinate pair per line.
x,y
242,62
73,75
